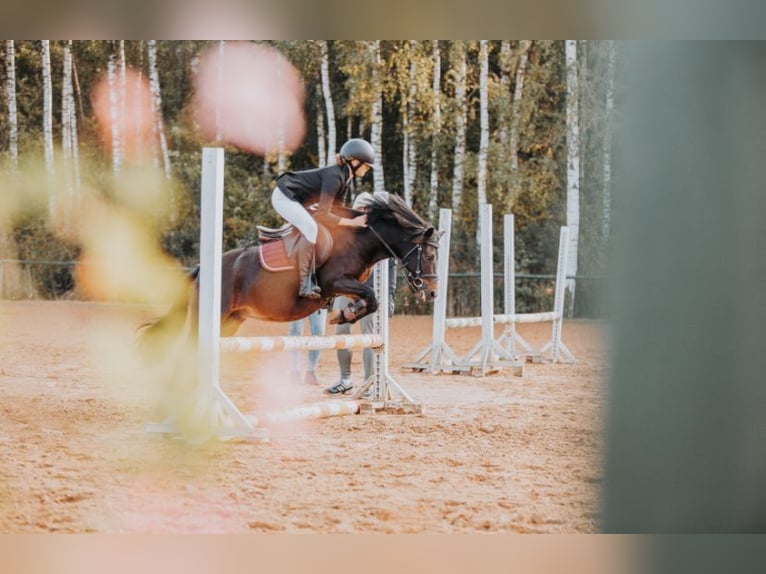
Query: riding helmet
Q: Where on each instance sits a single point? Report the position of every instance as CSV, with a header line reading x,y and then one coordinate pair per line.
x,y
360,149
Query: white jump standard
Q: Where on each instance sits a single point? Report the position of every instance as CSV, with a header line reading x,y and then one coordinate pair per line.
x,y
511,346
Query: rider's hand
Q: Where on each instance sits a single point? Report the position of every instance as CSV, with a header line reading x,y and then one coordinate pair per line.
x,y
360,220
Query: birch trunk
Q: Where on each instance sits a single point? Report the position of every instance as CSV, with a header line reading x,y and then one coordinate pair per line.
x,y
460,127
518,92
66,116
606,214
158,124
321,148
48,124
75,140
376,131
10,93
437,124
122,94
329,105
505,90
114,114
481,186
409,154
573,168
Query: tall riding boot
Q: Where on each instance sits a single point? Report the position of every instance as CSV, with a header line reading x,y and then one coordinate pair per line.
x,y
306,270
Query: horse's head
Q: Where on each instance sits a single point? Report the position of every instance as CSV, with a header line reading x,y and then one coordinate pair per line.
x,y
413,242
420,265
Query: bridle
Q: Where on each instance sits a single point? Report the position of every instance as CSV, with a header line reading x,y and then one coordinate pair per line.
x,y
414,280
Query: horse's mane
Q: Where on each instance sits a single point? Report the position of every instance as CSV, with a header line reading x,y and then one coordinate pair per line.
x,y
392,207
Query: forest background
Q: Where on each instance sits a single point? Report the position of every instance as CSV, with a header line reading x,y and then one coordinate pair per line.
x,y
524,125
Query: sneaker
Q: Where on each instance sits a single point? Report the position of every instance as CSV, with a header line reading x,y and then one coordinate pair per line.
x,y
344,386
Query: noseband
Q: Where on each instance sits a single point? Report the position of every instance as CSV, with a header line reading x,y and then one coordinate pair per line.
x,y
414,280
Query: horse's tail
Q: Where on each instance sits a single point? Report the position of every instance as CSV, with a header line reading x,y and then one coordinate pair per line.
x,y
154,339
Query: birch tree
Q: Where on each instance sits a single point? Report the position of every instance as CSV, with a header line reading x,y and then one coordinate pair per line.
x,y
114,114
48,124
158,128
328,101
573,167
66,116
376,131
505,89
606,214
10,95
481,186
321,148
436,122
409,147
461,110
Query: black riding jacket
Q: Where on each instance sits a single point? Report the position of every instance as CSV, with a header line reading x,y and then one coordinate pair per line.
x,y
324,185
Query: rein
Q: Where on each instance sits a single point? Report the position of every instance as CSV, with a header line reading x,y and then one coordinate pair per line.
x,y
414,282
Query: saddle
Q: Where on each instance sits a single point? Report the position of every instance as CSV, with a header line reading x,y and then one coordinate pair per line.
x,y
278,246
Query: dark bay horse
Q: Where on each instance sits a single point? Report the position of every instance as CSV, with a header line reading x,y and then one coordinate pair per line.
x,y
250,290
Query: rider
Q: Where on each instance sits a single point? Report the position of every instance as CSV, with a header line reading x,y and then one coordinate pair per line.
x,y
297,189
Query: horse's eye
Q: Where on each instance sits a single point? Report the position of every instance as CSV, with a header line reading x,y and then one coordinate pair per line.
x,y
429,257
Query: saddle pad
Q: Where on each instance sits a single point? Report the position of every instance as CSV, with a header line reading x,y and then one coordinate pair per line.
x,y
274,257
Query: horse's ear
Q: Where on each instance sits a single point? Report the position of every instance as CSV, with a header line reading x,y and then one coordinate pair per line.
x,y
429,233
439,235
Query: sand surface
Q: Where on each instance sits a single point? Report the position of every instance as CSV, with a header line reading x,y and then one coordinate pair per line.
x,y
495,454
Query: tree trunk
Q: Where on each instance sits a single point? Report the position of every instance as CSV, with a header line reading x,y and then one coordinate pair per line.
x,y
503,119
376,132
606,214
437,123
10,93
329,105
409,155
460,126
158,124
114,114
321,148
481,185
66,116
48,124
573,168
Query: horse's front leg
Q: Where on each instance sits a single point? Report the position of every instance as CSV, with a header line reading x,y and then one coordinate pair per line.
x,y
364,304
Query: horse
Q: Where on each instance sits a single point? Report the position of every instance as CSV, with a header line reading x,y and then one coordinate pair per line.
x,y
256,284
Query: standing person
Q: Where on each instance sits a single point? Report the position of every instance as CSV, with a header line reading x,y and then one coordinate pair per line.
x,y
365,323
317,322
295,190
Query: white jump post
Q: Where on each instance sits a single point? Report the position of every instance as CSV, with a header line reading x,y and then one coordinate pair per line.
x,y
214,413
492,357
441,355
384,387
